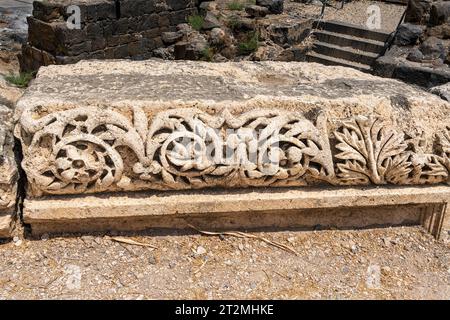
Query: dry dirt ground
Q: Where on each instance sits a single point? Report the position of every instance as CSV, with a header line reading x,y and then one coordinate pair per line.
x,y
395,263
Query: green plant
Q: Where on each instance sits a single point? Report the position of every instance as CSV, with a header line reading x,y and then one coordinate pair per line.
x,y
236,5
207,54
234,23
250,44
196,22
20,80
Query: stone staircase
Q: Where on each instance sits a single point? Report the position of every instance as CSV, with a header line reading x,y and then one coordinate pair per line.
x,y
339,43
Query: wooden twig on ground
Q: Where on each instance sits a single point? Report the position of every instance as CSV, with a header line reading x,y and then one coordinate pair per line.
x,y
201,267
132,242
240,234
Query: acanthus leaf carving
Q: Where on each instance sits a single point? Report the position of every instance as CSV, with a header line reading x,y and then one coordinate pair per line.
x,y
371,151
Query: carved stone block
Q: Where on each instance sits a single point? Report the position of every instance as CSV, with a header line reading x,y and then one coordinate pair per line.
x,y
109,126
175,126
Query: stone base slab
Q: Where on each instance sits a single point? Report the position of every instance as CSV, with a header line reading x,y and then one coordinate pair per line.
x,y
6,224
242,209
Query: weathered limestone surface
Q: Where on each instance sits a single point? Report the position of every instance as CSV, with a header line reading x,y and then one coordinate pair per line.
x,y
8,94
8,173
117,126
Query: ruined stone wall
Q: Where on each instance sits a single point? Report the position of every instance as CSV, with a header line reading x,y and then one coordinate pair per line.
x,y
110,29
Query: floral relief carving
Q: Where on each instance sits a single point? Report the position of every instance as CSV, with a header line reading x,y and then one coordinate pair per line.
x,y
236,151
94,150
373,152
78,149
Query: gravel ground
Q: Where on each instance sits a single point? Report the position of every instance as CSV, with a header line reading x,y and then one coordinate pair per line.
x,y
393,263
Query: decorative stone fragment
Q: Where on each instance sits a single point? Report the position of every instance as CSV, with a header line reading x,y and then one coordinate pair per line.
x,y
109,126
8,173
96,147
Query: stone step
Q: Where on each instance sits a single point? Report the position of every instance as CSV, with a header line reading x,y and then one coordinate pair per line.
x,y
345,53
402,2
327,60
352,30
344,40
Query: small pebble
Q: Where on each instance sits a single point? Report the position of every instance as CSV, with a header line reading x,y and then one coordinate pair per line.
x,y
152,260
200,250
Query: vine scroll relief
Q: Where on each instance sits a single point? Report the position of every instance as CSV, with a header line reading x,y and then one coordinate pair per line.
x,y
87,150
